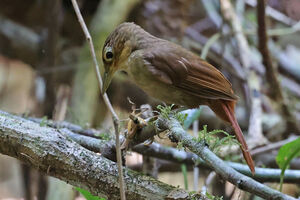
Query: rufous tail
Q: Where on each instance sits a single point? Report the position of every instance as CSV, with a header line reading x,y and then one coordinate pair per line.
x,y
225,110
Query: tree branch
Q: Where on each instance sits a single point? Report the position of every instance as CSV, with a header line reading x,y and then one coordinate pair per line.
x,y
275,90
219,166
49,151
225,169
20,38
146,133
168,153
88,139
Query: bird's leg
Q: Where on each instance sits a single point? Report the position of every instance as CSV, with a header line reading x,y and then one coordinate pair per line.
x,y
134,125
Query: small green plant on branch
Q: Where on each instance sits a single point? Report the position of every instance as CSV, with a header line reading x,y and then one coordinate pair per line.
x,y
215,143
212,197
167,111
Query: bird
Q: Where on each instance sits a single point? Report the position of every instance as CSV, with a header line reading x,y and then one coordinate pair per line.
x,y
170,73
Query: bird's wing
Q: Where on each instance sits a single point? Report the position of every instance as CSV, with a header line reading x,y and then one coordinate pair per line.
x,y
188,72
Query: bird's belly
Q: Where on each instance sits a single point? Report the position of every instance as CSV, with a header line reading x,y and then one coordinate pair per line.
x,y
164,92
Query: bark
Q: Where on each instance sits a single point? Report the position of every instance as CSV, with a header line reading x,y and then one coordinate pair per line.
x,y
49,151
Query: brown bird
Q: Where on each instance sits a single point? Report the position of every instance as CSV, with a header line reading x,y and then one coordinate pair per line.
x,y
170,73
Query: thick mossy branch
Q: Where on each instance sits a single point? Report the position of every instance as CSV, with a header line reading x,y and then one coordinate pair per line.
x,y
49,151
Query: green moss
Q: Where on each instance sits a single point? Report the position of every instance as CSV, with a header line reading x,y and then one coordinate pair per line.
x,y
166,112
105,136
43,123
213,141
212,197
179,146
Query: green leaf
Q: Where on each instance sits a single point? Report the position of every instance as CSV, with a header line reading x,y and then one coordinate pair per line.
x,y
285,155
184,172
88,195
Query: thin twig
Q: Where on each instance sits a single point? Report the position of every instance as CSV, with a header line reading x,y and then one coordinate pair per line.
x,y
92,49
105,97
272,146
275,91
196,168
209,180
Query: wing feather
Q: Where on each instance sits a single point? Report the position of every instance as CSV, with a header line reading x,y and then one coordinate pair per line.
x,y
188,72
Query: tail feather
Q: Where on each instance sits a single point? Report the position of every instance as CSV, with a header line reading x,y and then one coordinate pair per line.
x,y
229,110
225,110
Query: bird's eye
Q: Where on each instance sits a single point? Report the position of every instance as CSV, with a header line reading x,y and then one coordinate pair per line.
x,y
108,54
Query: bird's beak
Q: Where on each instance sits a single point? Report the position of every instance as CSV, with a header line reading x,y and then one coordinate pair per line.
x,y
106,81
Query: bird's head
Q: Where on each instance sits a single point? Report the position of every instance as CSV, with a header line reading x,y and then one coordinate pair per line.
x,y
116,50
